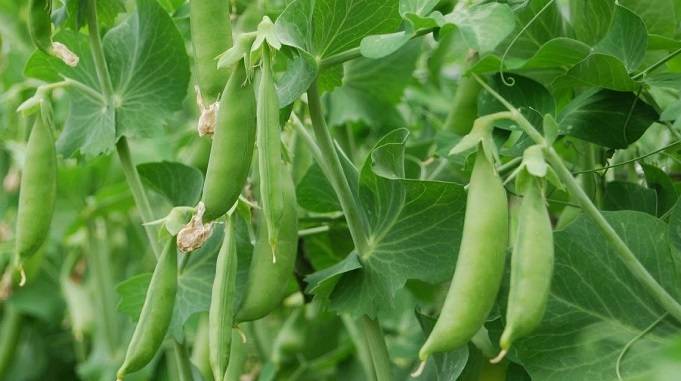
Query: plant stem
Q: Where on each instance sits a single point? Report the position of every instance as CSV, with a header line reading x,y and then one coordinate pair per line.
x,y
334,171
353,53
98,259
657,64
626,255
97,51
138,194
361,346
184,368
9,337
377,348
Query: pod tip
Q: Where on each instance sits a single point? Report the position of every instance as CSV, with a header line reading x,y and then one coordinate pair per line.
x,y
22,276
419,370
499,357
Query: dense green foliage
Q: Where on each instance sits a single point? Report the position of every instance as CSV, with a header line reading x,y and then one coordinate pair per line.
x,y
223,190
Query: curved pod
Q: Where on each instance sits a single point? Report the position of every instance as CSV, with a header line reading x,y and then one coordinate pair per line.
x,y
232,150
531,267
211,31
38,191
480,265
268,280
156,314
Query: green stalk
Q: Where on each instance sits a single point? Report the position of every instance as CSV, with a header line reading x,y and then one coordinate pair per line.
x,y
98,258
9,337
184,368
361,347
377,348
626,255
357,222
97,51
138,194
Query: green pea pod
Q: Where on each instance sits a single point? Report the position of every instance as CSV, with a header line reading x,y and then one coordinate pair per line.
x,y
221,313
464,106
156,313
211,31
38,192
232,149
268,281
531,266
270,165
237,358
480,265
40,24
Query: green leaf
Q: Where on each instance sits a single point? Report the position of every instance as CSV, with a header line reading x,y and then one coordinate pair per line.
x,y
179,183
319,278
621,195
548,25
371,88
149,70
414,231
591,19
674,231
132,292
627,38
315,26
660,16
586,319
659,181
314,192
381,45
598,70
483,26
419,7
300,72
609,118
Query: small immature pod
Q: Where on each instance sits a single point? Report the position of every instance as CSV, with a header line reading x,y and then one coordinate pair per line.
x,y
270,165
156,313
40,30
38,192
480,265
221,313
531,266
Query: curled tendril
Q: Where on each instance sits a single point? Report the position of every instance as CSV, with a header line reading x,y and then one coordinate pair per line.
x,y
510,81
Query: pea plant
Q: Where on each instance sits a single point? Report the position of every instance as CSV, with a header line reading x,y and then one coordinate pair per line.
x,y
233,190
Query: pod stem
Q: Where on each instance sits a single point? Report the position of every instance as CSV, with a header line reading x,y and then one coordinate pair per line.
x,y
417,373
626,255
499,357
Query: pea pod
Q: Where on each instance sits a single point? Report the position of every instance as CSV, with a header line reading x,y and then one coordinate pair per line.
x,y
531,266
221,313
40,24
267,281
211,31
38,192
480,265
270,165
232,149
156,313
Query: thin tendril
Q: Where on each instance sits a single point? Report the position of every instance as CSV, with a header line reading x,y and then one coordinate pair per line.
x,y
632,341
510,81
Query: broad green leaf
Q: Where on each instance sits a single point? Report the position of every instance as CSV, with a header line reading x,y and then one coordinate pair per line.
x,y
558,53
314,192
621,195
587,320
548,25
381,45
609,118
627,38
414,231
662,184
327,27
674,231
660,16
149,71
598,70
591,19
483,26
179,183
132,292
419,7
371,88
300,72
665,80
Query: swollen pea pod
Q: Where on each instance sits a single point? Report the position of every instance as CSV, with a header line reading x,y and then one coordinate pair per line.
x,y
38,192
211,31
40,24
270,165
267,281
156,313
464,107
232,149
221,313
480,265
531,266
